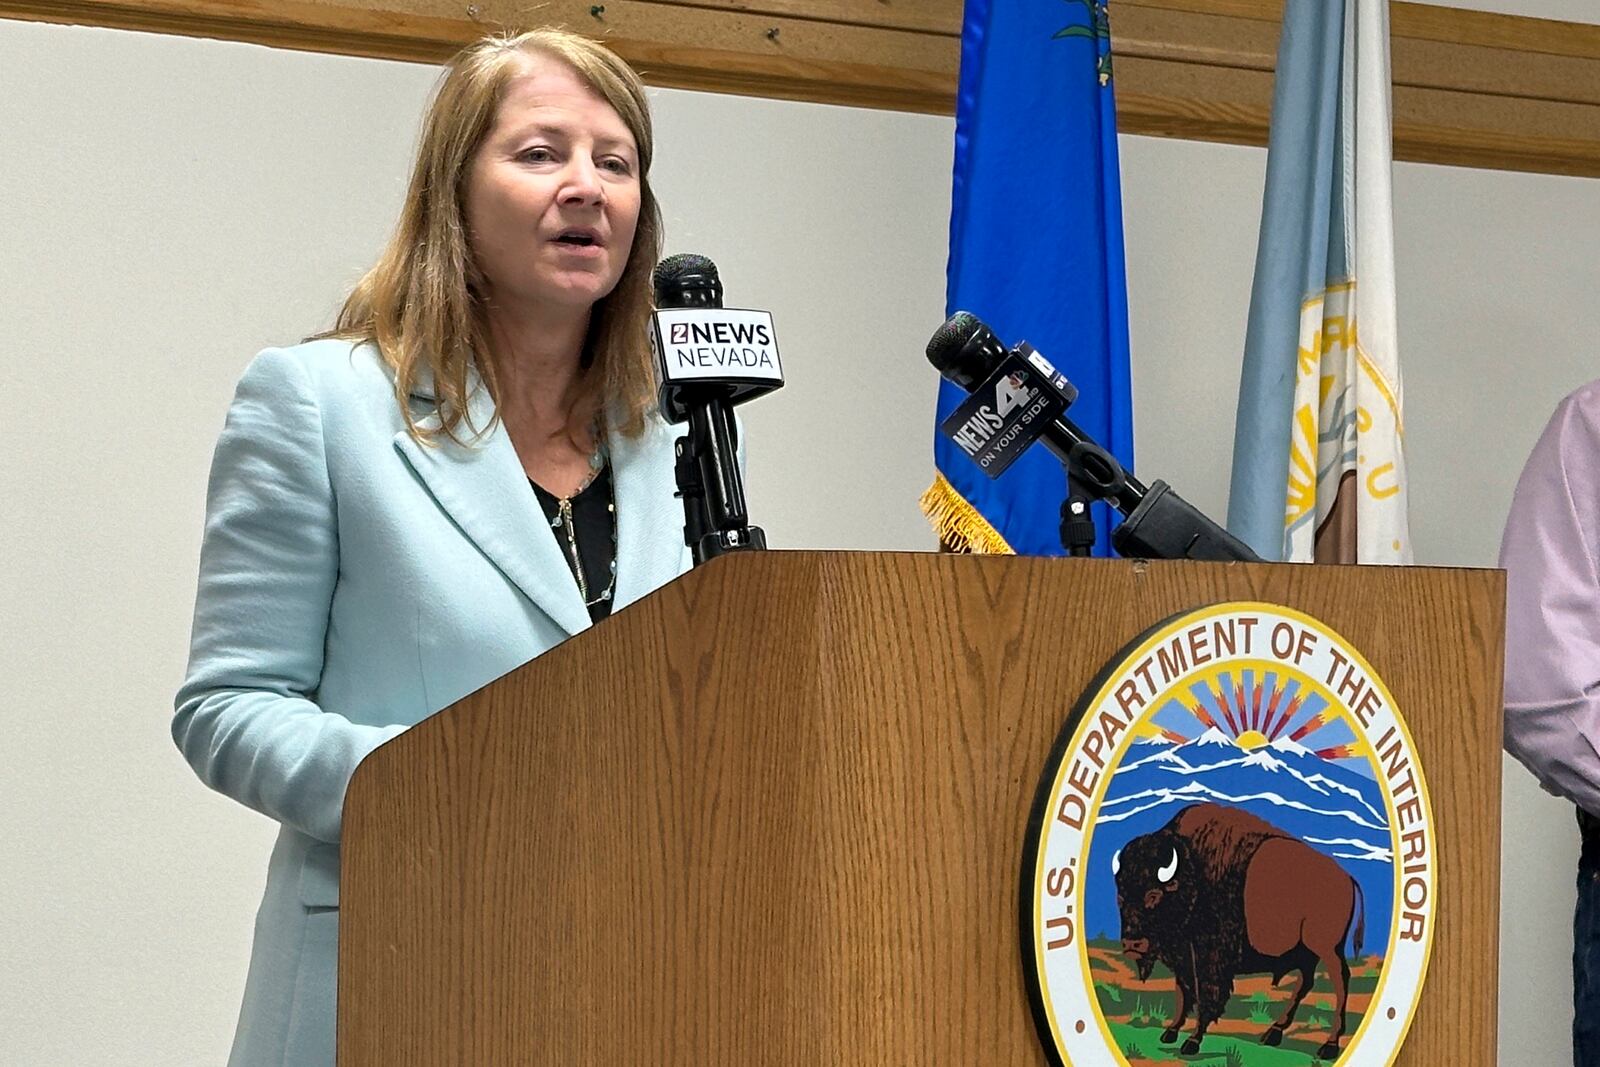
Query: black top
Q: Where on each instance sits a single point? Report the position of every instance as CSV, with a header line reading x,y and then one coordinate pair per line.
x,y
593,518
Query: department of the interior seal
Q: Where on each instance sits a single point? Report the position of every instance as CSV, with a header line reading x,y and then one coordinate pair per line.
x,y
1232,854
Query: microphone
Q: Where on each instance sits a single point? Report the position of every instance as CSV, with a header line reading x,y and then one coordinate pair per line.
x,y
1018,397
703,349
708,360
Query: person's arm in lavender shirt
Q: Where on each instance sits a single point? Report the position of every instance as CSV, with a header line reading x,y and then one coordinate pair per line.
x,y
1553,605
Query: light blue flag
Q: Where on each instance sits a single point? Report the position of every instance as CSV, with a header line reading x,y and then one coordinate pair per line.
x,y
1036,251
1318,463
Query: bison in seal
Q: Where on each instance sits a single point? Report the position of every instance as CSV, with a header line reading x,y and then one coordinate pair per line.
x,y
1218,892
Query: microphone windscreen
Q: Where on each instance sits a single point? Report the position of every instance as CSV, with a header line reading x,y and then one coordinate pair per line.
x,y
687,280
945,344
964,350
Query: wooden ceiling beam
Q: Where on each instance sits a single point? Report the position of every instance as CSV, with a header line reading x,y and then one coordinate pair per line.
x,y
1471,88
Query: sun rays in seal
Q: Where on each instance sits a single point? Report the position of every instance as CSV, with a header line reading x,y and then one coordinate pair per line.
x,y
1255,709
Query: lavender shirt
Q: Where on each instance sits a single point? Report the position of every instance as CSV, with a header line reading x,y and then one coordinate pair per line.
x,y
1551,553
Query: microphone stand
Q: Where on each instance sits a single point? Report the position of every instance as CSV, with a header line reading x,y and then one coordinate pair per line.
x,y
1157,523
716,516
1077,523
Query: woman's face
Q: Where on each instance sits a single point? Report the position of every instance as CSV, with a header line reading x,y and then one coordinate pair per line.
x,y
552,197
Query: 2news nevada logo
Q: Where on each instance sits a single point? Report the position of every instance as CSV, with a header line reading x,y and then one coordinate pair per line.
x,y
716,343
1231,855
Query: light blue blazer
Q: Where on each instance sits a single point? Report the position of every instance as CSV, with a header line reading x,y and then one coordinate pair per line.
x,y
353,582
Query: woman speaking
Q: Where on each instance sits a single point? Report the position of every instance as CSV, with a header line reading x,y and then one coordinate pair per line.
x,y
465,472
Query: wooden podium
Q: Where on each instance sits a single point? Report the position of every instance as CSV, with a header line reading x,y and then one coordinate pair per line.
x,y
774,813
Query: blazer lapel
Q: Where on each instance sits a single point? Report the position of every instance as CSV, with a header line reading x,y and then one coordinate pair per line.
x,y
483,489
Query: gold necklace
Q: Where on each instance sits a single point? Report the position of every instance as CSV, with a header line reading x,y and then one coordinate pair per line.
x,y
564,521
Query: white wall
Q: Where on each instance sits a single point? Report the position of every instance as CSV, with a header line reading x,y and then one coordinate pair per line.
x,y
834,219
169,206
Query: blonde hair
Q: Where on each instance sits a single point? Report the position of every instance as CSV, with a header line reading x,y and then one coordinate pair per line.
x,y
421,303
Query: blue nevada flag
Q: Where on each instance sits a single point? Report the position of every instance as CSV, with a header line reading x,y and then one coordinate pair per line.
x,y
1036,250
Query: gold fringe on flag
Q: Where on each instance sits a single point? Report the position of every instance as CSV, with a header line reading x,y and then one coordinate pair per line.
x,y
959,524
